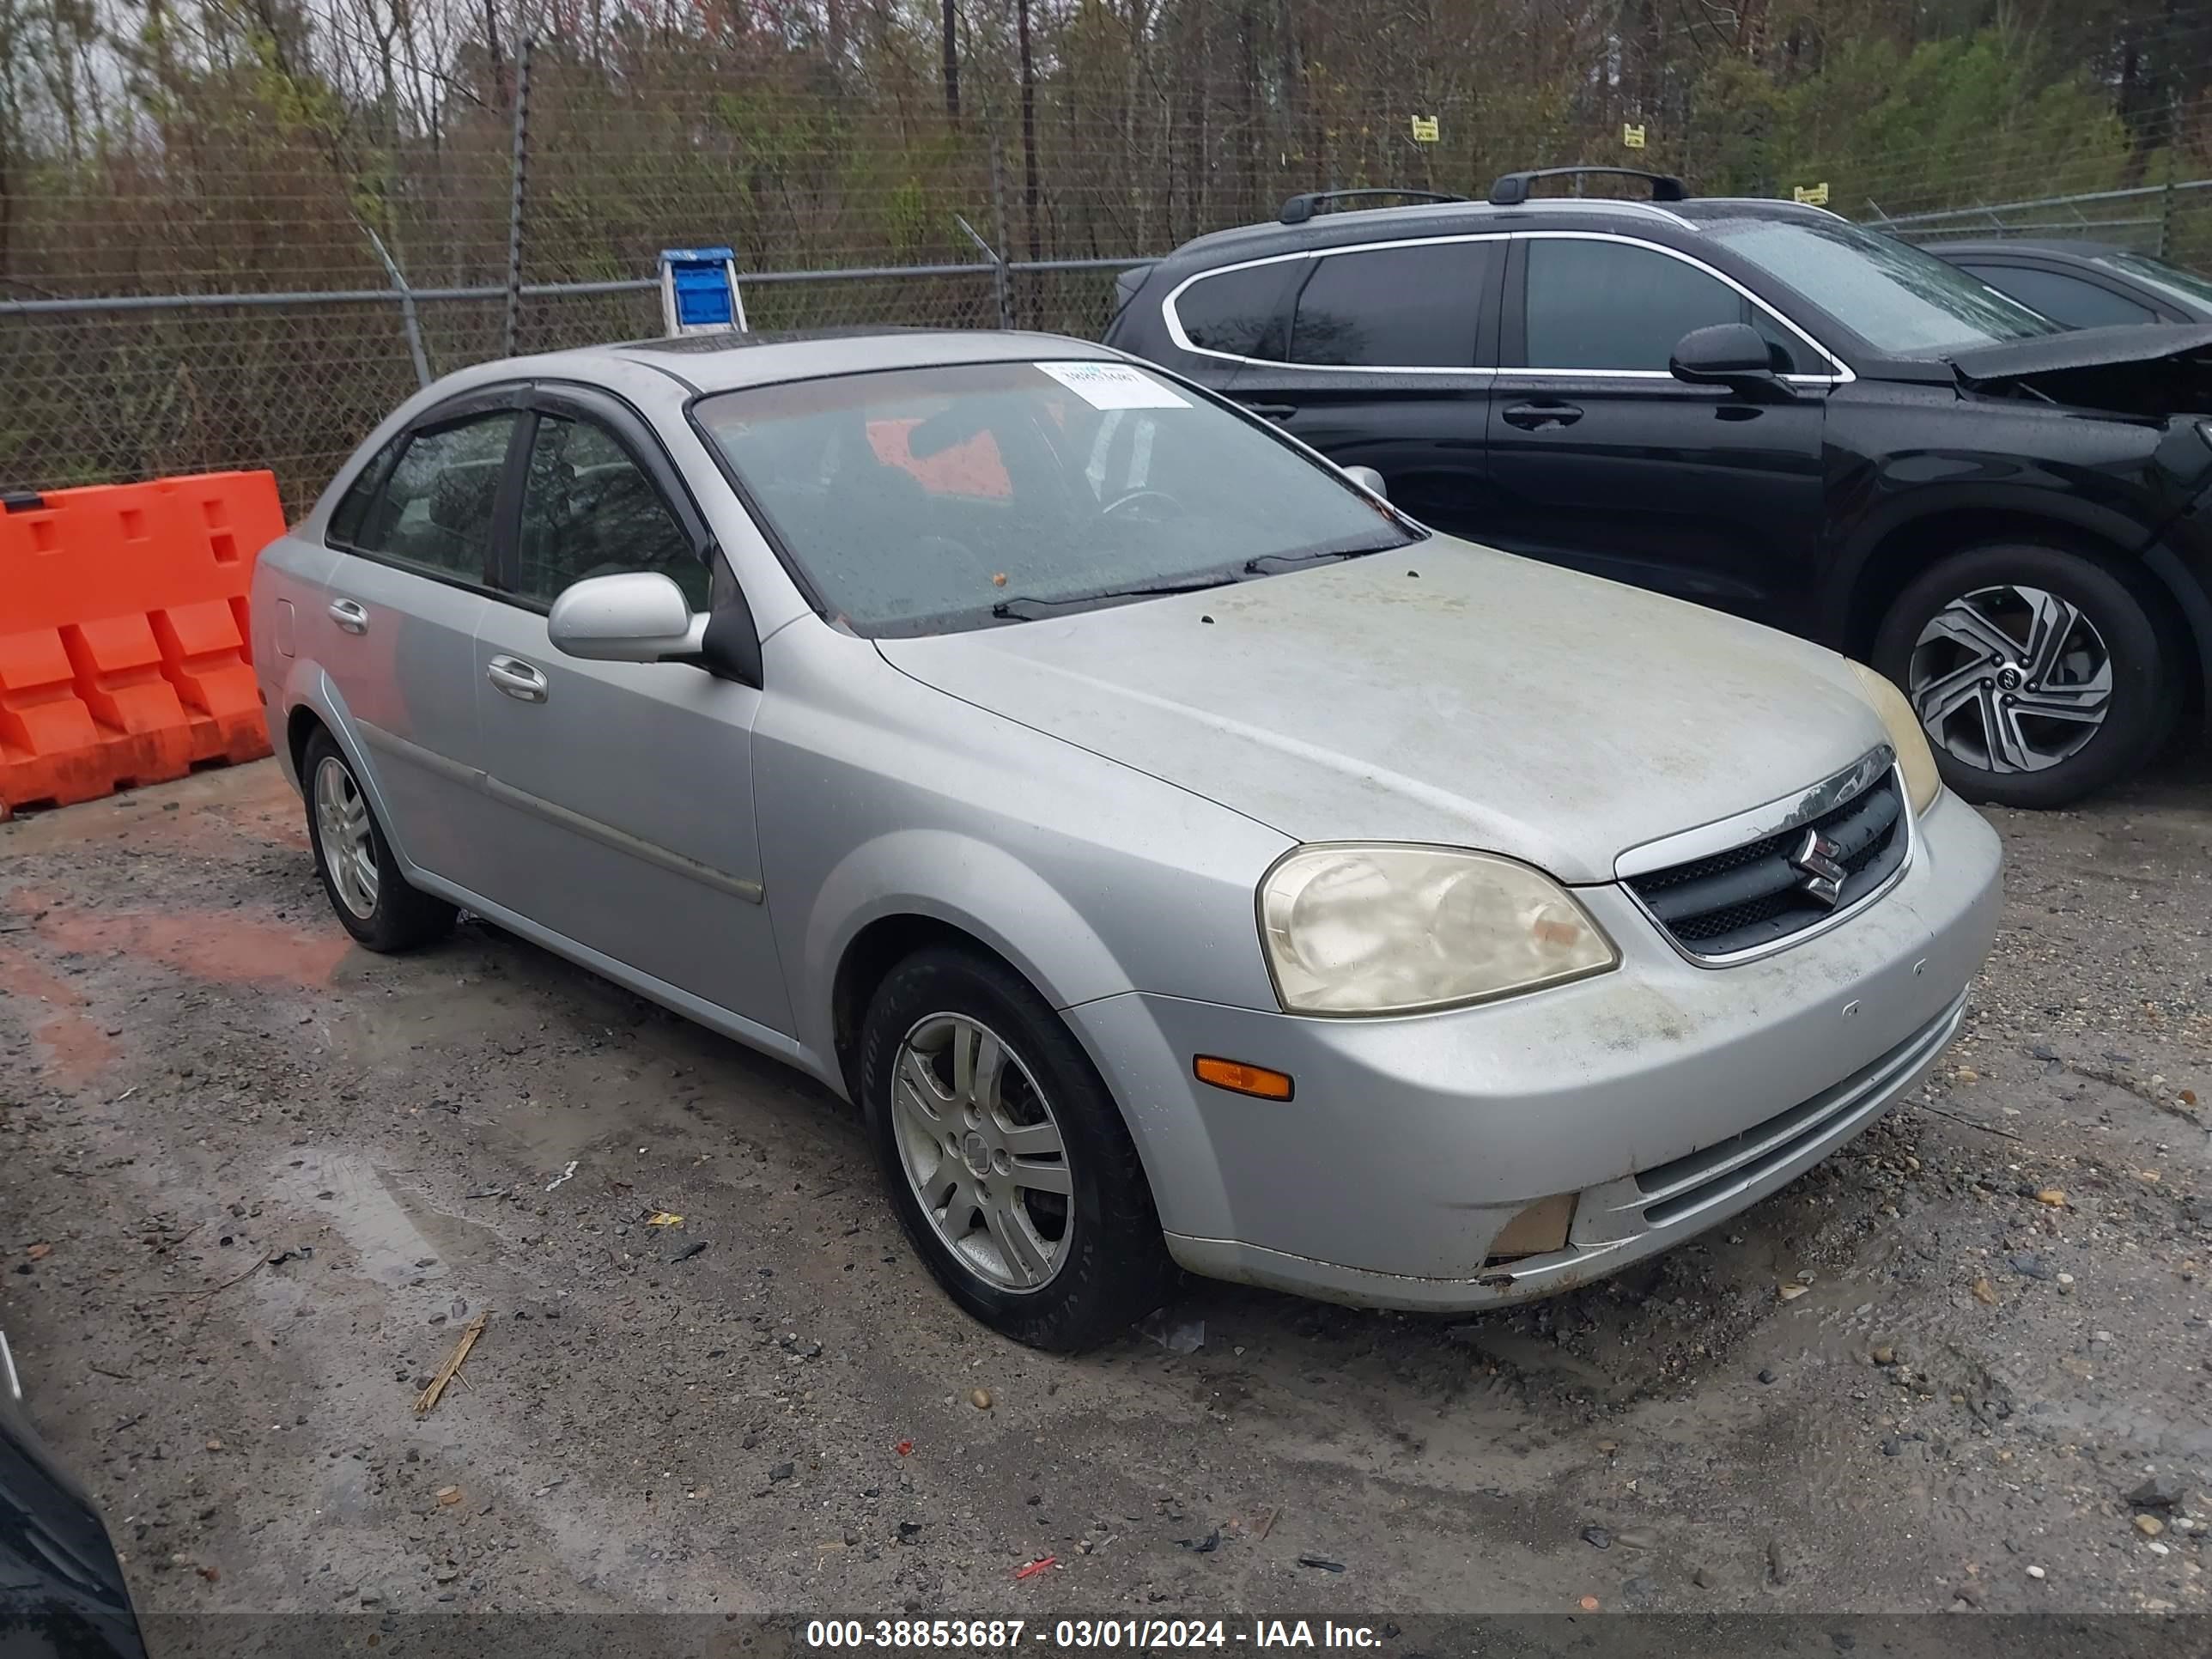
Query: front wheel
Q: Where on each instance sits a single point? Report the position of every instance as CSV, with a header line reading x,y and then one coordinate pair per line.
x,y
2039,674
1005,1157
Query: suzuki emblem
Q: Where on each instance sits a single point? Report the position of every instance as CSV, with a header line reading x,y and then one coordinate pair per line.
x,y
1816,860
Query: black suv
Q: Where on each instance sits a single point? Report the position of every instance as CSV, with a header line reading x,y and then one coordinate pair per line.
x,y
1758,406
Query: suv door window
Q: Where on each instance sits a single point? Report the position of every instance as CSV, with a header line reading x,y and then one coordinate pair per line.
x,y
1615,305
589,510
1239,312
2066,300
1395,307
436,509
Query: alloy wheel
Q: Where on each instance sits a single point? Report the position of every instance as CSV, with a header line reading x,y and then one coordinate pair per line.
x,y
982,1151
348,847
2010,678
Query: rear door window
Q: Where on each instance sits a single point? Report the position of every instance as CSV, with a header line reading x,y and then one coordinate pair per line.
x,y
1414,306
353,510
436,509
1240,312
1602,305
2066,300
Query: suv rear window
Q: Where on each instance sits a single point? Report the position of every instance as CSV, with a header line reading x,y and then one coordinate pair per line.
x,y
1240,312
1414,306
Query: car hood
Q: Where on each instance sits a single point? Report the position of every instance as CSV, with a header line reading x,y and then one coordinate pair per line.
x,y
1486,702
2111,347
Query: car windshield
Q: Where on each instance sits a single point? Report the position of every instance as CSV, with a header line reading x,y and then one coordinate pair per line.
x,y
1901,300
923,501
2185,286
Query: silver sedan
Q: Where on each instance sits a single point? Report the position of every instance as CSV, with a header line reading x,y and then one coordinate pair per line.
x,y
1183,858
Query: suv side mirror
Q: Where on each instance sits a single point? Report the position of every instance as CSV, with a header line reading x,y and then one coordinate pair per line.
x,y
1733,355
638,615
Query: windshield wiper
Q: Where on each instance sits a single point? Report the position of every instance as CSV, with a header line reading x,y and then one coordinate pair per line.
x,y
1025,608
1260,563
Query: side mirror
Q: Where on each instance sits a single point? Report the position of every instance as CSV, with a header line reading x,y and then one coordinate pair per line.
x,y
639,616
1733,355
1369,480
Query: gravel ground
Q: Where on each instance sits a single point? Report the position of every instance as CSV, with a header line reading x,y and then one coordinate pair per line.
x,y
254,1183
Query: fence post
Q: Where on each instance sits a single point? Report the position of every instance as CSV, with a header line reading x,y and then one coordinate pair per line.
x,y
998,271
1007,307
409,322
2166,209
515,201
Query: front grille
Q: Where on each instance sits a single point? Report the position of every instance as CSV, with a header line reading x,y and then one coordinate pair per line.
x,y
1752,896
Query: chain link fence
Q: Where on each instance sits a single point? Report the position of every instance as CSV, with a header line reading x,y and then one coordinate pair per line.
x,y
111,388
237,235
2170,222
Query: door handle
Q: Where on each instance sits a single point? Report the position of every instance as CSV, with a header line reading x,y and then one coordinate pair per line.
x,y
1273,411
350,615
1535,417
517,678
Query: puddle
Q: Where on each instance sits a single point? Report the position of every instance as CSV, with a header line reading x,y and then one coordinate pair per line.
x,y
216,945
348,1193
71,1048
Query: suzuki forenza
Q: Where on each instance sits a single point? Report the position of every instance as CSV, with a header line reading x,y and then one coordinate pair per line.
x,y
1182,856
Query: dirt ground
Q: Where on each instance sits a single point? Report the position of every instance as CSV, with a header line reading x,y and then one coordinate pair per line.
x,y
254,1183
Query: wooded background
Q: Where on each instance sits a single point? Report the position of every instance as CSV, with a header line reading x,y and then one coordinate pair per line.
x,y
151,147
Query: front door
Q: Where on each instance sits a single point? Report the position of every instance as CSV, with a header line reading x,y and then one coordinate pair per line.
x,y
1386,348
1601,459
624,790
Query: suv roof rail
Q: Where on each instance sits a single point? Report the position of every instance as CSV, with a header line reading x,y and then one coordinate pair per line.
x,y
1512,188
1299,208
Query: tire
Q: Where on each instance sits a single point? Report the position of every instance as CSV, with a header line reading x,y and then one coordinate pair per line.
x,y
1058,1270
375,904
2107,681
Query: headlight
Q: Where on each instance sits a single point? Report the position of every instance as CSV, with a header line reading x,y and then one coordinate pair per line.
x,y
1906,736
1389,930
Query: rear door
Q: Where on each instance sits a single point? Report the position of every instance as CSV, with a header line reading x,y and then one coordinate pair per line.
x,y
1601,459
622,791
1385,363
417,539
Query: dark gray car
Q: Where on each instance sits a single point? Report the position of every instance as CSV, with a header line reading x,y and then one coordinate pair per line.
x,y
2084,284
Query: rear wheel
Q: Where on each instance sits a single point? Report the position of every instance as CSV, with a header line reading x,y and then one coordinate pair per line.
x,y
358,873
1006,1158
2039,674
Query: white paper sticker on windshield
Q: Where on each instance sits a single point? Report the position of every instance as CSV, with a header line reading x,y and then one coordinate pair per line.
x,y
1114,385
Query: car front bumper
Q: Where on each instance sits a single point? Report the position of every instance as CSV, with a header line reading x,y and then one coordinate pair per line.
x,y
1664,1097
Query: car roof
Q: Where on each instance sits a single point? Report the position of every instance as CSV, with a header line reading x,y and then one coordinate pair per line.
x,y
1449,218
730,362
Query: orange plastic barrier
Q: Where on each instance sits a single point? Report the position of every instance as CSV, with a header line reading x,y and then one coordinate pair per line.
x,y
125,654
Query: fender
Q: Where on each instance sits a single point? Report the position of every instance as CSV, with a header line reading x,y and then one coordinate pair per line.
x,y
308,687
986,892
1848,565
967,884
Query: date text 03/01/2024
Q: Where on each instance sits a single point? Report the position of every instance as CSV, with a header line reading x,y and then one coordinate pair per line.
x,y
988,1636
